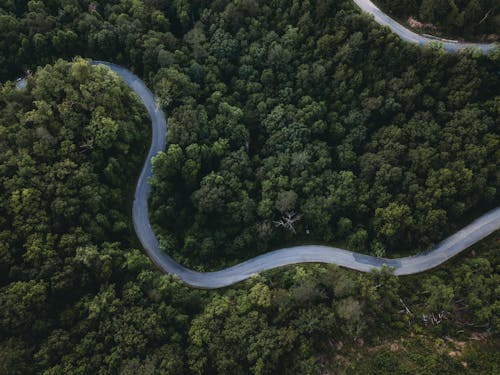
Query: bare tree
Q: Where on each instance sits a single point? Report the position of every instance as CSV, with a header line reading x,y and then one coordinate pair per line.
x,y
434,319
406,309
88,144
287,220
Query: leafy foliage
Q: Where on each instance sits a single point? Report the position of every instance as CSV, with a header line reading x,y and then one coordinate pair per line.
x,y
273,109
295,138
463,18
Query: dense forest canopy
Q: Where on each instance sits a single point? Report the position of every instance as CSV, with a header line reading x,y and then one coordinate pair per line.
x,y
71,141
468,19
274,121
273,107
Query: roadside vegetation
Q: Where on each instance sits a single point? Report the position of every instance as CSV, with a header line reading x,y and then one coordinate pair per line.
x,y
469,20
304,113
304,124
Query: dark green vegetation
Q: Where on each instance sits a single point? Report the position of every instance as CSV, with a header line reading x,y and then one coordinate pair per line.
x,y
70,144
464,18
77,297
371,144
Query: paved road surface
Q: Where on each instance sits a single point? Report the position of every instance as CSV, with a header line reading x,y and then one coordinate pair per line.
x,y
453,245
408,35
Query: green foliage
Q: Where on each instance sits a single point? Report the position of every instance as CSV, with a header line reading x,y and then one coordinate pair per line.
x,y
274,108
464,18
271,119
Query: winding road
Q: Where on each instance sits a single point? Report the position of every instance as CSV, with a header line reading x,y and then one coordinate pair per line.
x,y
383,19
474,232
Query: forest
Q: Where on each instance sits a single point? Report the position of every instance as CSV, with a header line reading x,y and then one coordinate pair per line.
x,y
286,122
306,109
475,19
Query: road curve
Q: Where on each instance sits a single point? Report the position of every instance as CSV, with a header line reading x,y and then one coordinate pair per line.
x,y
448,248
408,35
453,245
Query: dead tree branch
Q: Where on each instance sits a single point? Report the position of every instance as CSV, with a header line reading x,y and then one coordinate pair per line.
x,y
287,221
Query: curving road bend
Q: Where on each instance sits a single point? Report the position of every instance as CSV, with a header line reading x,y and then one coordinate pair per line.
x,y
453,245
474,232
383,19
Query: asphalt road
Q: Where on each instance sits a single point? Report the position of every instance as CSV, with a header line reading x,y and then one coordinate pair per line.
x,y
453,245
474,232
408,35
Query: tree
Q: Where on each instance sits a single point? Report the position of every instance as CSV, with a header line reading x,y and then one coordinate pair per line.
x,y
394,221
440,295
434,11
22,305
286,201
